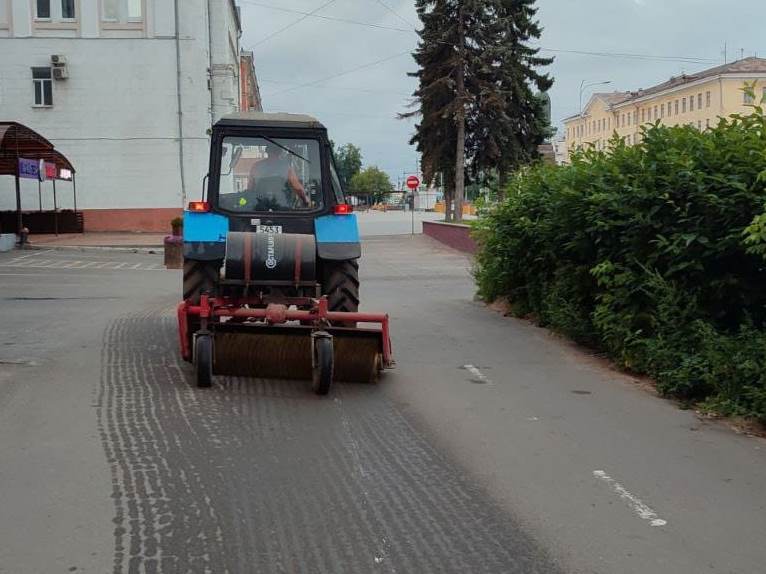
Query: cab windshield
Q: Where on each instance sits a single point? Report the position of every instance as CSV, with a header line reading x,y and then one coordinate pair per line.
x,y
260,174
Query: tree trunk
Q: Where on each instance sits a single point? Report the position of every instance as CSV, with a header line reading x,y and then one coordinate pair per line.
x,y
460,120
502,181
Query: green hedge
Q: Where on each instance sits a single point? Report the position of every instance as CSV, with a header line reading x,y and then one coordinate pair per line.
x,y
653,253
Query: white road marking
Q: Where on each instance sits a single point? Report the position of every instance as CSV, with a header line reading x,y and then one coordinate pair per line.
x,y
637,505
20,257
28,275
474,370
77,265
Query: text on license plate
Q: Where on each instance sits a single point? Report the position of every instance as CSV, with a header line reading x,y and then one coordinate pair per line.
x,y
268,229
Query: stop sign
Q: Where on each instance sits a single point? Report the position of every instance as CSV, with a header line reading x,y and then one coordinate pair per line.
x,y
413,182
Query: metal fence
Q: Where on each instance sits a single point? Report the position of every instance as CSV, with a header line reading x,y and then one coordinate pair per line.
x,y
397,201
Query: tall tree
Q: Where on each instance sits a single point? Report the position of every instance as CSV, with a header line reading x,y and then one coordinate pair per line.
x,y
508,118
475,99
371,182
439,109
348,162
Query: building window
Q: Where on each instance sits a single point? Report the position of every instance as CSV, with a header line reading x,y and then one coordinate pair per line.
x,y
749,98
662,110
67,9
691,103
699,125
43,82
43,10
683,105
122,10
58,10
111,10
670,109
707,122
707,97
699,101
134,10
676,107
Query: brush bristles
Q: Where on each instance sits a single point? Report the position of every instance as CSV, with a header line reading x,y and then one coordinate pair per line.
x,y
288,356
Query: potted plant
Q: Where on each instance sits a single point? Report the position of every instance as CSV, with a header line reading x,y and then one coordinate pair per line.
x,y
177,224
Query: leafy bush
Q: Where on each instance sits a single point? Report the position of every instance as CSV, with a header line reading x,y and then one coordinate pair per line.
x,y
654,253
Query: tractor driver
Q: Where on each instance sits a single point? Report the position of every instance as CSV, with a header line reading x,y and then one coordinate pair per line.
x,y
273,183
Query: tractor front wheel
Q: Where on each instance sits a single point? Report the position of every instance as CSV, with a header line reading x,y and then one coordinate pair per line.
x,y
199,277
203,361
322,362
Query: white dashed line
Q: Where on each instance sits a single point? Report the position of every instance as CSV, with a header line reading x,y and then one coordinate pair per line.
x,y
474,370
636,504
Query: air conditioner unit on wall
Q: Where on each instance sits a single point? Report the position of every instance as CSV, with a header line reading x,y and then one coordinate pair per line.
x,y
60,72
60,69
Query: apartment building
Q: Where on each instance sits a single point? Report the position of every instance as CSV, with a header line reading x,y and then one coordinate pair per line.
x,y
691,99
127,90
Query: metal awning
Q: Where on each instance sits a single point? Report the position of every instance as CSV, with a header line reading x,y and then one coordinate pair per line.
x,y
18,143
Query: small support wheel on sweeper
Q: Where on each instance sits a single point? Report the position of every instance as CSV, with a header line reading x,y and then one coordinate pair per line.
x,y
322,362
203,360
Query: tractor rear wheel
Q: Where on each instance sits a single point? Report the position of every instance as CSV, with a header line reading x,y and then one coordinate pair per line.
x,y
199,277
341,285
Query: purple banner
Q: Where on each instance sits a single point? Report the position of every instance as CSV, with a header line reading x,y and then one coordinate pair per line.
x,y
29,168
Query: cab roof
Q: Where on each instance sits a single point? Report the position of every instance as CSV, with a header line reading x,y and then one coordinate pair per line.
x,y
277,120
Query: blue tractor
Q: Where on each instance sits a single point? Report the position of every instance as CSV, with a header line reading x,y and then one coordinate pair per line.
x,y
271,274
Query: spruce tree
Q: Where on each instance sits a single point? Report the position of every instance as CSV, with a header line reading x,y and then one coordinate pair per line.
x,y
436,133
475,98
508,120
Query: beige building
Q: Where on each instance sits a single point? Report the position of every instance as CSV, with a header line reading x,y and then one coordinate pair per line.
x,y
694,99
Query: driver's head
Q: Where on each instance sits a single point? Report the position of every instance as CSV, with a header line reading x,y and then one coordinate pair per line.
x,y
272,150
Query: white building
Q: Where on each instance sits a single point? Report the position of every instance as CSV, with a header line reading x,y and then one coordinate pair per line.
x,y
145,79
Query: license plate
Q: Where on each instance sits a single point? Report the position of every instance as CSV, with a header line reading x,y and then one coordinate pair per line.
x,y
268,229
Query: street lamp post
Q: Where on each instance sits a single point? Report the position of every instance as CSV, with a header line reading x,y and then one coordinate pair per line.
x,y
583,85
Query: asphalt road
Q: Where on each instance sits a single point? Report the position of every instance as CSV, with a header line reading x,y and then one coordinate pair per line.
x,y
493,447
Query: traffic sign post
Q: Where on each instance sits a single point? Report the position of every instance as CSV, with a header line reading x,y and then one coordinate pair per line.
x,y
413,182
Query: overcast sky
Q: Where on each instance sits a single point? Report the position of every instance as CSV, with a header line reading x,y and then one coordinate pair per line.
x,y
353,77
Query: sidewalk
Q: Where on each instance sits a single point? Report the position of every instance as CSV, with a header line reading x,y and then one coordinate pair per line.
x,y
99,240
